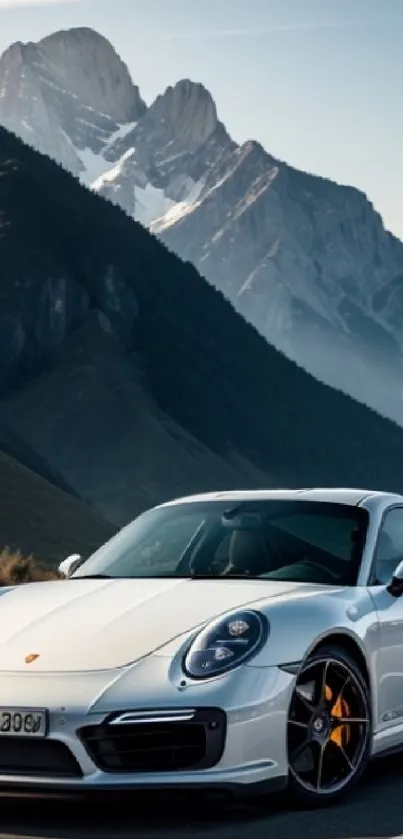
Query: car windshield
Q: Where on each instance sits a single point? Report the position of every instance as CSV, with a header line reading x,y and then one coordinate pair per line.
x,y
299,541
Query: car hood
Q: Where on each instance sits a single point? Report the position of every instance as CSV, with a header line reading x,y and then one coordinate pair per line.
x,y
80,624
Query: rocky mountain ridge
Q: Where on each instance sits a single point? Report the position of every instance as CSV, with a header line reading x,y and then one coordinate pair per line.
x,y
135,380
305,260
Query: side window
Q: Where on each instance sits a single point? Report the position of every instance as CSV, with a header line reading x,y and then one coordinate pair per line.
x,y
389,550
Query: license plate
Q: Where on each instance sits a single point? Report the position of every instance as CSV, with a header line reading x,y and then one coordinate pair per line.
x,y
23,722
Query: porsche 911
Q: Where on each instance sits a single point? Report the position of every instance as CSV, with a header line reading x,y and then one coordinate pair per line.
x,y
243,643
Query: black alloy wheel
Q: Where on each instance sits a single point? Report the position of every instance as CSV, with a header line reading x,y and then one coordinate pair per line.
x,y
329,728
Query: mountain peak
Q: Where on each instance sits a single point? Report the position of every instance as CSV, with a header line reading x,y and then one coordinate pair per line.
x,y
93,70
191,88
78,63
191,111
16,55
79,38
77,33
67,94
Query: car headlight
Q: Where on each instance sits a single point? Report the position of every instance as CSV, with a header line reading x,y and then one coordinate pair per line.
x,y
226,643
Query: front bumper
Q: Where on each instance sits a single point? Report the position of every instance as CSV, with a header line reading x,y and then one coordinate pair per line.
x,y
253,702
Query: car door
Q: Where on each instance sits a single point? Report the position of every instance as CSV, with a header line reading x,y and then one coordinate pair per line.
x,y
389,655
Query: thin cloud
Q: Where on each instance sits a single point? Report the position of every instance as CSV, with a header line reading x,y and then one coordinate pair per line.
x,y
206,34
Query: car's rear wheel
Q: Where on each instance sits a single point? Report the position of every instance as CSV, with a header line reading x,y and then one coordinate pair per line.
x,y
329,728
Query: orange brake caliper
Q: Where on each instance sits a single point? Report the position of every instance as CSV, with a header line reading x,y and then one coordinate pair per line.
x,y
341,735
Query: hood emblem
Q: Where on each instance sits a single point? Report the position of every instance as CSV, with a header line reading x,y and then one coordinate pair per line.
x,y
31,657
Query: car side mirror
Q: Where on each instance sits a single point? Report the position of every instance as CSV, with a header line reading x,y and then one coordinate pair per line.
x,y
70,564
395,587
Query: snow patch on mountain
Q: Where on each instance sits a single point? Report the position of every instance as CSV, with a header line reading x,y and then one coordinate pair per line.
x,y
147,203
180,209
113,174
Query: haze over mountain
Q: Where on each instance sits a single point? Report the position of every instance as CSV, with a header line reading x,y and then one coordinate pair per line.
x,y
135,380
305,260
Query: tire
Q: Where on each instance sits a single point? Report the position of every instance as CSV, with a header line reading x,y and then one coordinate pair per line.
x,y
340,748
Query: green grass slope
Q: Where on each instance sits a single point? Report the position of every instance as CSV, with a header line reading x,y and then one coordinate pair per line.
x,y
39,519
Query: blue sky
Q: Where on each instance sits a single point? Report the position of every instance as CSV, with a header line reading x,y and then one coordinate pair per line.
x,y
317,82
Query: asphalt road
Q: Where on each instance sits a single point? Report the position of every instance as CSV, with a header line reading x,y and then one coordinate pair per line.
x,y
374,810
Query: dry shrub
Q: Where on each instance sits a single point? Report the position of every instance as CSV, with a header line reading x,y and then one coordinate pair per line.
x,y
16,569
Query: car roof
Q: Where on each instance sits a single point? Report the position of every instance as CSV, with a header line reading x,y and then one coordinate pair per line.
x,y
335,495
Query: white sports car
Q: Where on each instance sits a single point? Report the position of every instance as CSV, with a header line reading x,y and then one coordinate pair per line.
x,y
239,642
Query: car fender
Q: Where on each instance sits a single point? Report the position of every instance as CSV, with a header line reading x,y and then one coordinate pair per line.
x,y
298,625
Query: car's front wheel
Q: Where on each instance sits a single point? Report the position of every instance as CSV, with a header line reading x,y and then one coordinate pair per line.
x,y
329,728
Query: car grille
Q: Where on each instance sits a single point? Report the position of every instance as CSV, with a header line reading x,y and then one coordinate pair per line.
x,y
157,743
42,758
